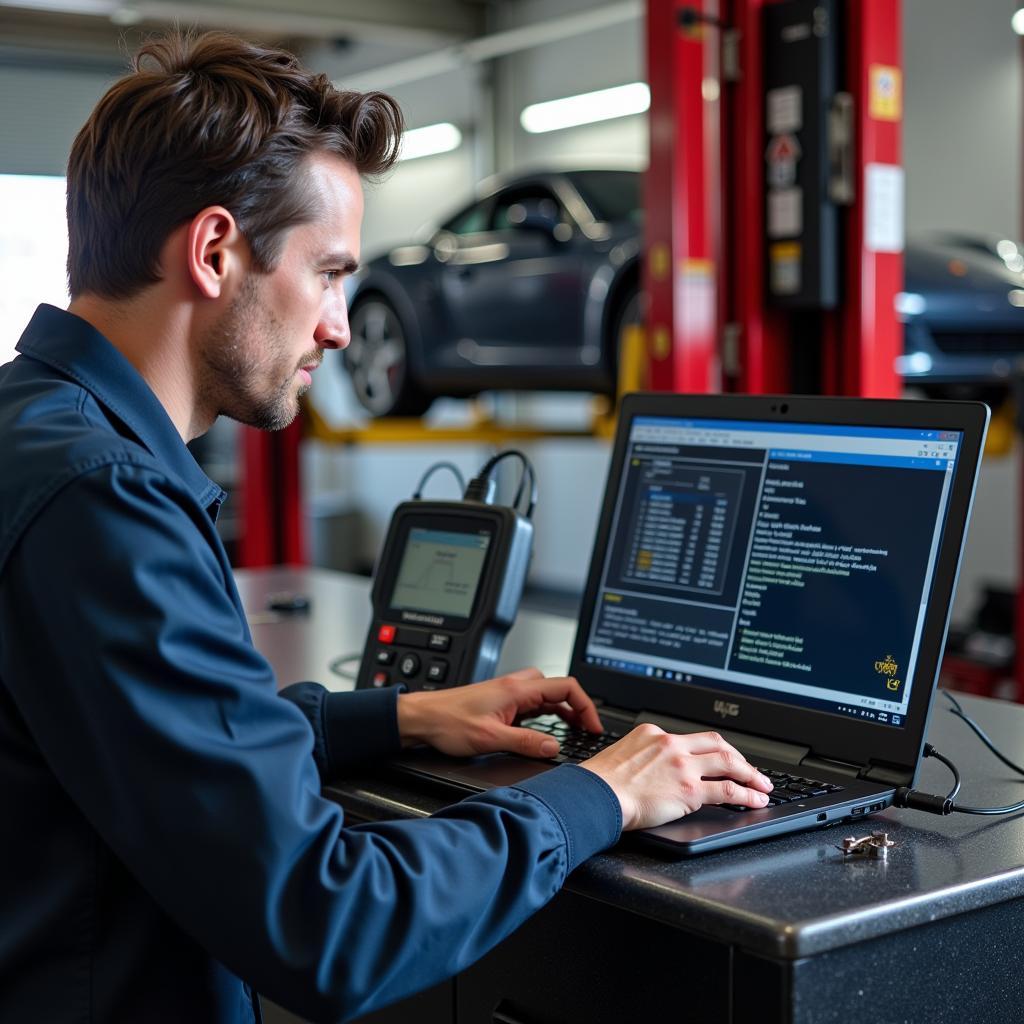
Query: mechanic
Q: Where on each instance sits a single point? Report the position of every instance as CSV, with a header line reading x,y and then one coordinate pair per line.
x,y
166,844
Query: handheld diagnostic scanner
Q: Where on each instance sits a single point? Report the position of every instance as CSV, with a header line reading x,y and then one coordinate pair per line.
x,y
447,586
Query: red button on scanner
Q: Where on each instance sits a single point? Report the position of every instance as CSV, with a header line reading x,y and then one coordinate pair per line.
x,y
386,634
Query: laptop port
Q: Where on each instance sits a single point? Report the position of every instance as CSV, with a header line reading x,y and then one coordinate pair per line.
x,y
858,810
822,817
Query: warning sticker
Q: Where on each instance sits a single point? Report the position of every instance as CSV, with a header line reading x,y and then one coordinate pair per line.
x,y
883,207
885,93
785,212
784,260
782,156
784,110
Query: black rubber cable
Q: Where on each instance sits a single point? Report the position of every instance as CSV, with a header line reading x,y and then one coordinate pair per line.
x,y
433,469
936,804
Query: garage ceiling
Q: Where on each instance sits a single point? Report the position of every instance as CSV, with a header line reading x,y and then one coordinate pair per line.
x,y
98,32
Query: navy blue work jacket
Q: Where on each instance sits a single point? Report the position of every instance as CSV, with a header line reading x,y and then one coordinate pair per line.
x,y
164,842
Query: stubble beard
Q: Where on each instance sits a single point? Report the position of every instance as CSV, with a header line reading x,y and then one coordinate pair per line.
x,y
243,354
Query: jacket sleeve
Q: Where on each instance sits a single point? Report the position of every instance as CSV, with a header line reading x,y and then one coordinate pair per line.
x,y
163,725
349,727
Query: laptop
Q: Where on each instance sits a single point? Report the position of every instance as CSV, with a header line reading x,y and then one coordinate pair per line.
x,y
779,570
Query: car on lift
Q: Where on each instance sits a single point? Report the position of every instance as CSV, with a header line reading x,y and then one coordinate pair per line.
x,y
526,288
530,286
962,307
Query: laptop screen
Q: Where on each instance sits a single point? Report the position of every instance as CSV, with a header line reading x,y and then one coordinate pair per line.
x,y
786,561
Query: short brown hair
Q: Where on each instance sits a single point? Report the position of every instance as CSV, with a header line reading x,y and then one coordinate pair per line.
x,y
200,121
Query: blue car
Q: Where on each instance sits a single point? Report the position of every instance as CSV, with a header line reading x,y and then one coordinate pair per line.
x,y
962,307
530,286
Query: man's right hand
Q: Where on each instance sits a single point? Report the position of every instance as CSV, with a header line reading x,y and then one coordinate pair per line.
x,y
660,776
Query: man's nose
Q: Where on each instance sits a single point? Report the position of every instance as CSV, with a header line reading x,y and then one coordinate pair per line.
x,y
333,331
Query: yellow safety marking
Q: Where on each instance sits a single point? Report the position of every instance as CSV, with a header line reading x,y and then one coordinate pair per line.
x,y
659,261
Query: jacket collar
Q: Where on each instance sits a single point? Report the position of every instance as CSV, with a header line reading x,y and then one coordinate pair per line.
x,y
70,345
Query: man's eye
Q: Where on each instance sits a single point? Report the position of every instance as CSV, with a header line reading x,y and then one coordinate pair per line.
x,y
330,276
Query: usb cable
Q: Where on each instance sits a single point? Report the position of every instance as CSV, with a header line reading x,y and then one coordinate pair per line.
x,y
935,804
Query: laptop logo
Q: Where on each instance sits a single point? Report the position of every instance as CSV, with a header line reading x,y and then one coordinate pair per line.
x,y
726,709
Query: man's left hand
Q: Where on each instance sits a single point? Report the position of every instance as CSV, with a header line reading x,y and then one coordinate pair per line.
x,y
480,718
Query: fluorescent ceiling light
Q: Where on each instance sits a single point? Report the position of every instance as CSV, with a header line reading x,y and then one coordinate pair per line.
x,y
1017,22
586,108
435,138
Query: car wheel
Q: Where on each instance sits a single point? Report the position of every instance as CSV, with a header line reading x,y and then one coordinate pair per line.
x,y
377,359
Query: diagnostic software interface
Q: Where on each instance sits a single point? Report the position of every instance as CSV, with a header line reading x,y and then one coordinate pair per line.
x,y
440,571
785,561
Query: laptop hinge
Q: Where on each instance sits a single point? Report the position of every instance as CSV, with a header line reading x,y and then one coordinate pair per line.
x,y
830,765
753,747
886,774
889,774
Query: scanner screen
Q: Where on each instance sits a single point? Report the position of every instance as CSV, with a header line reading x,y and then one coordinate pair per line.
x,y
440,571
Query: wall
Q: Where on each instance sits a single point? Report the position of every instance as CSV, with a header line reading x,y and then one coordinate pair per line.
x,y
41,111
962,147
595,60
962,132
416,195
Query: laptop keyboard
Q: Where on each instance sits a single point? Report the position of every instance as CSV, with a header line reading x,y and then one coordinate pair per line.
x,y
578,744
789,788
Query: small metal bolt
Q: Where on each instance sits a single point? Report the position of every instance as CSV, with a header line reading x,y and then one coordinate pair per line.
x,y
875,846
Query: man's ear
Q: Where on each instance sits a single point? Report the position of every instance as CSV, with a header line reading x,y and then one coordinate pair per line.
x,y
216,250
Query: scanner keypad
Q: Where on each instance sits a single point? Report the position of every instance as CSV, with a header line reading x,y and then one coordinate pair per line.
x,y
406,648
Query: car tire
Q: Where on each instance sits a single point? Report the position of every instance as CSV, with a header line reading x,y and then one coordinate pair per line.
x,y
377,360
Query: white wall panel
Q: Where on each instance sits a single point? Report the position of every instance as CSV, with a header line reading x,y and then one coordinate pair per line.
x,y
962,128
962,144
417,193
618,143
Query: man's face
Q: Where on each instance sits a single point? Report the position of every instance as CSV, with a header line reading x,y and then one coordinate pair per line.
x,y
258,356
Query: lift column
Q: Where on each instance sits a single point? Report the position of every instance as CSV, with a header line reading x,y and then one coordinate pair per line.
x,y
756,342
271,520
870,336
683,197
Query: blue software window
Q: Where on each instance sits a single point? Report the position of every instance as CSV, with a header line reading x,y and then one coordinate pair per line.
x,y
788,561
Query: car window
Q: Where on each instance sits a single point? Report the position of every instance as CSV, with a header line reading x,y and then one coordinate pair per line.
x,y
470,221
501,221
611,195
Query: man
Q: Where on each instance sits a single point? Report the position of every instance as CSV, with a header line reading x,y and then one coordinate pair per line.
x,y
166,845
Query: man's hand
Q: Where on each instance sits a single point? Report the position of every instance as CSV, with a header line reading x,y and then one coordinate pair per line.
x,y
478,719
660,776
